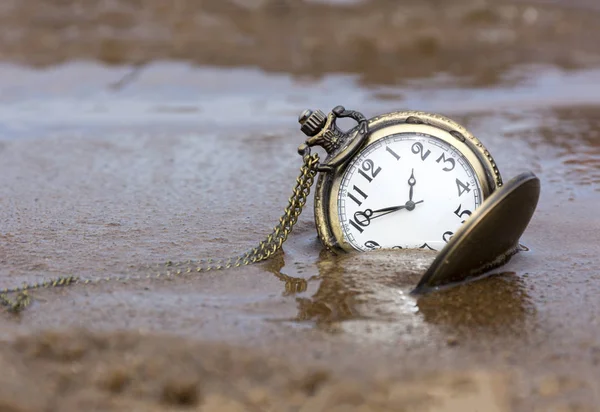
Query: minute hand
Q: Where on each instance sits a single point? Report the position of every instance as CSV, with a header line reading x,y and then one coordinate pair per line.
x,y
391,209
394,208
364,218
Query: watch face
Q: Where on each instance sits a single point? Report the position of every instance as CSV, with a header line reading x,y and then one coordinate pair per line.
x,y
406,190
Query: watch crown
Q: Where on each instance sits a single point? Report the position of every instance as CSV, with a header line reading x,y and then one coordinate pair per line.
x,y
312,122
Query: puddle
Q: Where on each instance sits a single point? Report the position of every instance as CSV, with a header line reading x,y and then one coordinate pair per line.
x,y
35,102
162,148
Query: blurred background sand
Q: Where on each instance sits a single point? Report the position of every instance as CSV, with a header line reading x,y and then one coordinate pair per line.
x,y
137,131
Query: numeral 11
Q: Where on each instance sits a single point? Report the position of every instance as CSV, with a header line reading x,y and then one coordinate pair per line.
x,y
360,192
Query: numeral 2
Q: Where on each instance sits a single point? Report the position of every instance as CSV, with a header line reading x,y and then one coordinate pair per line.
x,y
418,148
360,192
446,160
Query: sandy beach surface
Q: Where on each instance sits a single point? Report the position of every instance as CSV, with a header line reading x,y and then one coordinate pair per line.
x,y
138,132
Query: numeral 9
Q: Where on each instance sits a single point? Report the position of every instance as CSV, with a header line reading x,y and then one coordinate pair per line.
x,y
371,244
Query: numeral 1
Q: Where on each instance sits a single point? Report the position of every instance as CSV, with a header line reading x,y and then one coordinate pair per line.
x,y
360,192
392,152
366,176
356,226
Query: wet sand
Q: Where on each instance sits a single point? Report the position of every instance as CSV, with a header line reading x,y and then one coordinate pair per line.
x,y
108,168
375,39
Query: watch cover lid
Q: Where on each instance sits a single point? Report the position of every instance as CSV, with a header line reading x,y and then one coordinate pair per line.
x,y
488,238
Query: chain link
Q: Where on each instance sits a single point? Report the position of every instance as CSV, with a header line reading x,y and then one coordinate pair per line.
x,y
265,249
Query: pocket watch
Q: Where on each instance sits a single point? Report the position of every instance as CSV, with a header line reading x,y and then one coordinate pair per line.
x,y
410,179
401,180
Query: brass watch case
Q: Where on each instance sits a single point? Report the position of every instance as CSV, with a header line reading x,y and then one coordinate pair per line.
x,y
326,194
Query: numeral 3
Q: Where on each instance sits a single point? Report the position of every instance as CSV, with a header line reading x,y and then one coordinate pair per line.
x,y
446,160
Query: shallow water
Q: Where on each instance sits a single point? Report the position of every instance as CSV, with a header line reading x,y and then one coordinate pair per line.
x,y
98,180
106,169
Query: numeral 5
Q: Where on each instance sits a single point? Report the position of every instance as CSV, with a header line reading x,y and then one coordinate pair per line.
x,y
460,214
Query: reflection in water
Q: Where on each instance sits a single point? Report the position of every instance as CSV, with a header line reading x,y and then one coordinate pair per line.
x,y
336,299
361,291
293,285
367,294
495,304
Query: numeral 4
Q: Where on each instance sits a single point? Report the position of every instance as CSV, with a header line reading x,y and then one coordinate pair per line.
x,y
462,187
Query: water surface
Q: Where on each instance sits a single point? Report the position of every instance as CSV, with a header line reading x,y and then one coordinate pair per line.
x,y
106,169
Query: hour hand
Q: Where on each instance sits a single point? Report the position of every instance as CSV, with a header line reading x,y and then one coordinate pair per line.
x,y
411,182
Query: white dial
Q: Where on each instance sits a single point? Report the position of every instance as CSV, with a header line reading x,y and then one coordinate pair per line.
x,y
406,190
